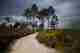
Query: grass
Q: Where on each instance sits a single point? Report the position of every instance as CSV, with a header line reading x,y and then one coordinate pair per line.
x,y
48,38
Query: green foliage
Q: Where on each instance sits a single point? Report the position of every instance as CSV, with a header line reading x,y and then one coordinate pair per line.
x,y
7,19
34,8
27,12
42,13
48,38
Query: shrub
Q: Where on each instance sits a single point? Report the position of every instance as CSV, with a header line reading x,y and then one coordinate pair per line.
x,y
52,39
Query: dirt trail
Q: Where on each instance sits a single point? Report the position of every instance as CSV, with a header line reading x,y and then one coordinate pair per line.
x,y
29,44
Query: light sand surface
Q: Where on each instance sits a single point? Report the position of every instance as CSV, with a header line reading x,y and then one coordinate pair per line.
x,y
29,44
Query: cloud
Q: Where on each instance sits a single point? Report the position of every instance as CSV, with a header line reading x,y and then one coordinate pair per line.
x,y
9,7
68,9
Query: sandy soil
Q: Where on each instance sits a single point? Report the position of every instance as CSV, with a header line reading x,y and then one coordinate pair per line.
x,y
29,44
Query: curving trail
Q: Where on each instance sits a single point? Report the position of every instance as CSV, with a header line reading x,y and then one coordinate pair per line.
x,y
29,44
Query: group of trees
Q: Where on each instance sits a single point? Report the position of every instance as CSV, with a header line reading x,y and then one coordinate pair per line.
x,y
45,12
40,14
34,11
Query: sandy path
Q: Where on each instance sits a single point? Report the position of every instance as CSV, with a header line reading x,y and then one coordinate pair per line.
x,y
29,44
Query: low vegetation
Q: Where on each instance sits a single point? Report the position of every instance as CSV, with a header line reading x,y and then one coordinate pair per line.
x,y
52,39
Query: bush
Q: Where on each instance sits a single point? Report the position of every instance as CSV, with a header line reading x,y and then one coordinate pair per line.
x,y
52,39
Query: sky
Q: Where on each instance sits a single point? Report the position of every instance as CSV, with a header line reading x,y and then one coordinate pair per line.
x,y
13,7
63,7
68,9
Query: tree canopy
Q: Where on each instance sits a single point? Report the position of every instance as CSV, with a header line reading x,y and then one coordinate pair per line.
x,y
45,12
